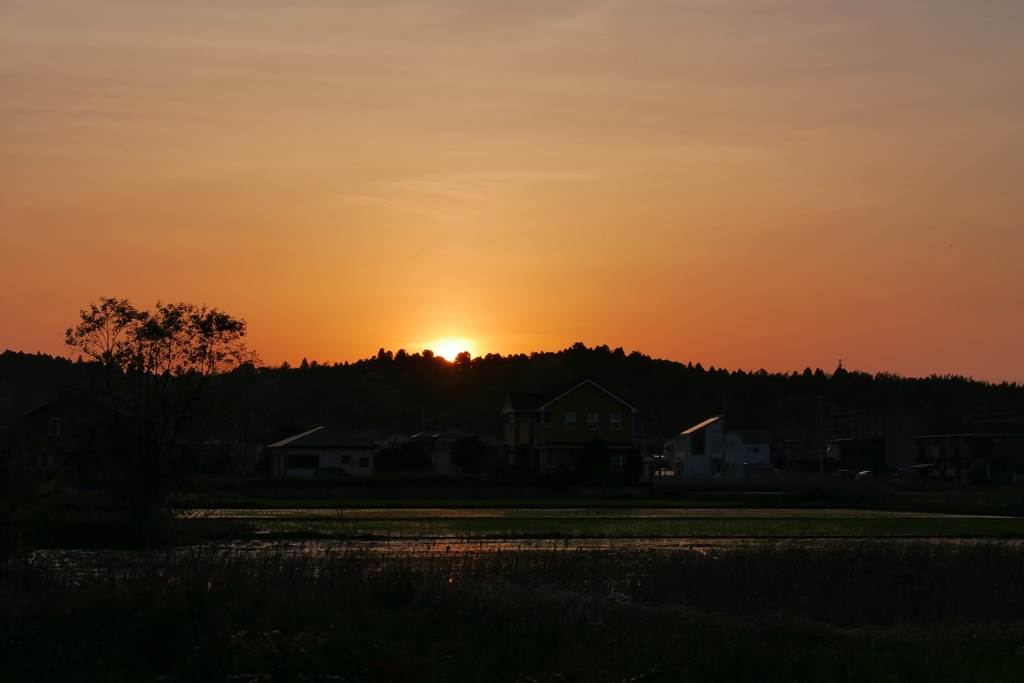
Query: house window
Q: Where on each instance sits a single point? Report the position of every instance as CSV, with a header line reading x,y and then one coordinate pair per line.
x,y
364,462
53,426
618,463
615,421
591,420
549,459
346,460
570,420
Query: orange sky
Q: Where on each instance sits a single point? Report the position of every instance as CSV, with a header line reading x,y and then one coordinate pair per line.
x,y
743,183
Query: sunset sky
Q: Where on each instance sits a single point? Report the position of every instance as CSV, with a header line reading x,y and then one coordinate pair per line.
x,y
741,183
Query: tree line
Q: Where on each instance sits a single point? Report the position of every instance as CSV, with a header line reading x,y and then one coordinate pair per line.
x,y
163,385
405,392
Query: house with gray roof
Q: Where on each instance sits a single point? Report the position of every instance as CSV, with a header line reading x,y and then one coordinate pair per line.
x,y
321,451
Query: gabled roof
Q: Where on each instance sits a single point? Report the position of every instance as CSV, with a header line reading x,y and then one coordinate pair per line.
x,y
523,400
320,437
444,432
700,426
62,401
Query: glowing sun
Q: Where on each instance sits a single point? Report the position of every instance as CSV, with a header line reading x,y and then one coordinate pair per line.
x,y
449,348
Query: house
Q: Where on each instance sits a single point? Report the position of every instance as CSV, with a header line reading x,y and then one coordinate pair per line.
x,y
59,434
321,451
545,431
861,440
439,443
708,449
858,454
988,452
382,439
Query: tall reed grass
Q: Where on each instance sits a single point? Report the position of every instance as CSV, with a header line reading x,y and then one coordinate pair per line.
x,y
942,611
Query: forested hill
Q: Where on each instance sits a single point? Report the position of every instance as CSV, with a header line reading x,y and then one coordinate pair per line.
x,y
27,380
409,392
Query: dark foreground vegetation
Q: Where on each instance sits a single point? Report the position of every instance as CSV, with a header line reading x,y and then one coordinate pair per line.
x,y
876,612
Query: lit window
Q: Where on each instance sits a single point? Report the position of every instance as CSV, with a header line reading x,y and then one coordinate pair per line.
x,y
615,422
591,420
570,420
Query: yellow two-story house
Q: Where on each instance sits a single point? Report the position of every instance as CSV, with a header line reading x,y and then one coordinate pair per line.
x,y
545,432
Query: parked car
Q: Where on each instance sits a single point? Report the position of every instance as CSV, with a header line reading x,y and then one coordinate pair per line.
x,y
843,474
865,474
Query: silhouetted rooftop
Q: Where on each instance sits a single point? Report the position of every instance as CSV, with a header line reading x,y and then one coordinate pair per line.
x,y
320,437
528,400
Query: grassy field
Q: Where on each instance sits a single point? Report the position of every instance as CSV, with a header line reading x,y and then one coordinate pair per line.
x,y
590,523
807,493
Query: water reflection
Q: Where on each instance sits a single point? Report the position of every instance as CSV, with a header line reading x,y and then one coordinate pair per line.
x,y
125,564
405,514
388,535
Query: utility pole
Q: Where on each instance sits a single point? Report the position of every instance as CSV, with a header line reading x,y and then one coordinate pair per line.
x,y
821,436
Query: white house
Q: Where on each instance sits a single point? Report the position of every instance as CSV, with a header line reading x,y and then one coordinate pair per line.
x,y
439,443
321,451
709,449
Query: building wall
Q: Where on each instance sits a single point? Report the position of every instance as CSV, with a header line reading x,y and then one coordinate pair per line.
x,y
712,450
956,456
522,428
700,450
582,402
859,454
351,460
561,443
896,428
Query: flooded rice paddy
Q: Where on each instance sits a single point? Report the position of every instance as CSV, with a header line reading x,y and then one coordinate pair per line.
x,y
335,514
384,536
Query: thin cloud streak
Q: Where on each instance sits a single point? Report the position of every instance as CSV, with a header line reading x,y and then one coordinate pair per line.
x,y
674,176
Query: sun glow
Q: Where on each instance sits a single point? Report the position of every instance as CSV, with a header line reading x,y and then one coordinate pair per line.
x,y
449,348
